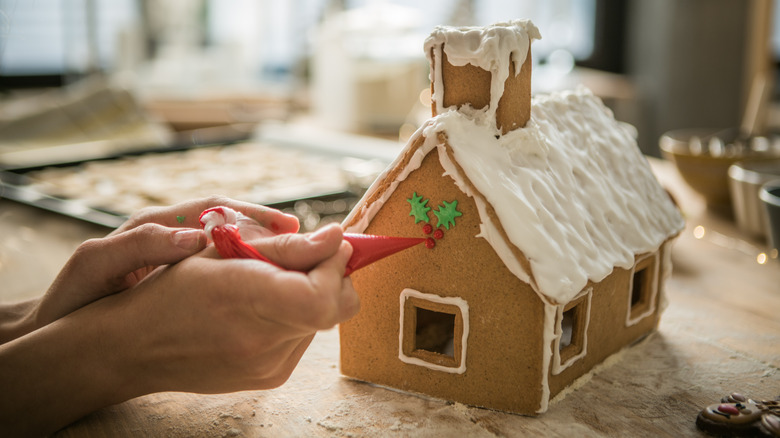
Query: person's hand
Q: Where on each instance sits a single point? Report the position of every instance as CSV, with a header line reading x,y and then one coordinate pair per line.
x,y
204,324
210,325
150,238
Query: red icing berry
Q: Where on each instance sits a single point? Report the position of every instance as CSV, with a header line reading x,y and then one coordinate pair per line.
x,y
728,409
430,243
438,234
428,229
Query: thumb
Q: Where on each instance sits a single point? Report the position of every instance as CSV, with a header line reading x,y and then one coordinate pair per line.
x,y
147,245
301,252
101,267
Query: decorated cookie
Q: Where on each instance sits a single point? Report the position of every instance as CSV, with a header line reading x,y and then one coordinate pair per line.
x,y
738,416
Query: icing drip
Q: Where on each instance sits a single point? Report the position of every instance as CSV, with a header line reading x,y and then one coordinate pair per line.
x,y
548,339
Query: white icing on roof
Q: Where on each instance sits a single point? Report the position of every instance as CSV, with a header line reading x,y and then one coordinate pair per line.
x,y
491,48
571,190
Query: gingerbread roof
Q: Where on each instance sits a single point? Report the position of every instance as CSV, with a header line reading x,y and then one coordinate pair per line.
x,y
571,190
564,193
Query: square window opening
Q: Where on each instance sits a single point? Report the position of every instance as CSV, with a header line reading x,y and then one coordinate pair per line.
x,y
435,332
567,327
573,330
643,289
638,288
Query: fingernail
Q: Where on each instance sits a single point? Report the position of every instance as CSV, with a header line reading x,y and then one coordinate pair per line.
x,y
188,239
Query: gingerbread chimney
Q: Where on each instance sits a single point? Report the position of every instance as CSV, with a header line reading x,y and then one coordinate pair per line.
x,y
483,71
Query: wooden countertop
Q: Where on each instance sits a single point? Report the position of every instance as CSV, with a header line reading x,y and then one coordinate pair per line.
x,y
719,334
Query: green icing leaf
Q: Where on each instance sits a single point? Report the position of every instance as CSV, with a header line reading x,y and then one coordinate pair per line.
x,y
180,219
419,210
447,213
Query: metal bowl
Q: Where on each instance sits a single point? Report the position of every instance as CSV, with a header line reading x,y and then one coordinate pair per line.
x,y
770,195
745,181
703,158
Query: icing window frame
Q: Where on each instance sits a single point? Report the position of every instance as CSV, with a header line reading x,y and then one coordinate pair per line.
x,y
411,302
577,312
642,289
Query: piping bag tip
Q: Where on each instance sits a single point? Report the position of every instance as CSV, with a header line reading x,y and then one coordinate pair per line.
x,y
367,248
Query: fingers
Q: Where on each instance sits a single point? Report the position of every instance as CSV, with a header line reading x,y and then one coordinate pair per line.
x,y
329,276
300,252
100,267
186,214
251,229
317,300
297,302
146,245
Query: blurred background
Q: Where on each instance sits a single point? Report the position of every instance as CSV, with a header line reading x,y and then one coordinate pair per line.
x,y
85,81
662,65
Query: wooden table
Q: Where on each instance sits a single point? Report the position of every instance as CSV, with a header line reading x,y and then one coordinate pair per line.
x,y
720,333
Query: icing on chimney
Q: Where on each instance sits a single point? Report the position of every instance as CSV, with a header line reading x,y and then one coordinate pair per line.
x,y
483,72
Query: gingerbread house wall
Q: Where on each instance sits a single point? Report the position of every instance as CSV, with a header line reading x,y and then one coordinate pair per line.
x,y
504,353
611,327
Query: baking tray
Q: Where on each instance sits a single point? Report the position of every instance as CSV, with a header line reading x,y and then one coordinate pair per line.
x,y
312,207
90,151
312,211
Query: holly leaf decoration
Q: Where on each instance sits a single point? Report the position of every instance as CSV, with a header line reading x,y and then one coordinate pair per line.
x,y
419,210
446,213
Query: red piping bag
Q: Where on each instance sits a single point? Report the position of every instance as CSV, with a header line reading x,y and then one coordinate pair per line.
x,y
219,223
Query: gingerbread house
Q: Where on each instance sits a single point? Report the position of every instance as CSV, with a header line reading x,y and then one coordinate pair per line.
x,y
548,237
